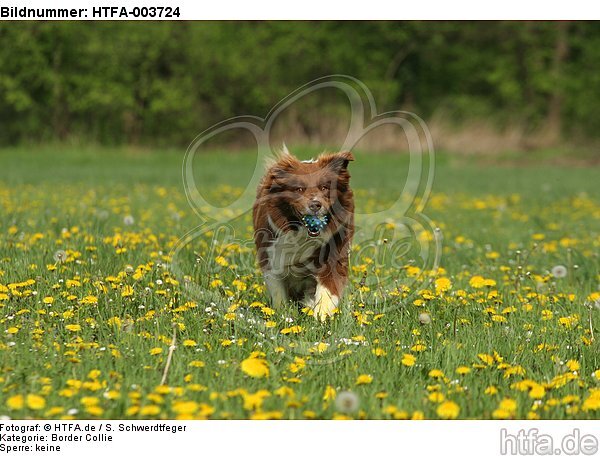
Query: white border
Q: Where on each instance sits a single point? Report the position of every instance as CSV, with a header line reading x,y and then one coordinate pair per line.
x,y
289,438
348,9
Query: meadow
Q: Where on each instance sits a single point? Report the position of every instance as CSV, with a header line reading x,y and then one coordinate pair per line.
x,y
506,327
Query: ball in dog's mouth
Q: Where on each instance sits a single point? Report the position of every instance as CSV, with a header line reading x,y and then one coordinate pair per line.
x,y
315,224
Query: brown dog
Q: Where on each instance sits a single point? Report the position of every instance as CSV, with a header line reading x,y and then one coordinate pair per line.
x,y
303,226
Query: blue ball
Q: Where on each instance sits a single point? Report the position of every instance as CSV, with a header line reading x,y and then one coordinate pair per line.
x,y
314,224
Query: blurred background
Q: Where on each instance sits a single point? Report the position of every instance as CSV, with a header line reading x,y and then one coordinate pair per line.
x,y
482,87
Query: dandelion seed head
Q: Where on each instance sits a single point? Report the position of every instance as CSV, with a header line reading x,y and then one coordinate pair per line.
x,y
424,318
559,271
347,402
60,256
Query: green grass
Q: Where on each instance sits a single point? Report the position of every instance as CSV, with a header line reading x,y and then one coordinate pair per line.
x,y
524,332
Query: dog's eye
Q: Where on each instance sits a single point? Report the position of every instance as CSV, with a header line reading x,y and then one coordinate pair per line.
x,y
324,188
299,189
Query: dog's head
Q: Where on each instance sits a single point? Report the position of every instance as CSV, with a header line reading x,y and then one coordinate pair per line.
x,y
314,189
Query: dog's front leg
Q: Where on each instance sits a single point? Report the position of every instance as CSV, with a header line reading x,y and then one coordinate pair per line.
x,y
277,290
326,300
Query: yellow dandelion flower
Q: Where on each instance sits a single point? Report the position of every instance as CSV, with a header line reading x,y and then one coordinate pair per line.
x,y
15,402
292,330
94,410
443,284
547,314
133,410
255,367
364,379
436,373
418,348
487,359
448,410
254,401
184,407
112,394
35,402
127,291
477,281
408,359
569,321
241,286
149,410
501,414
216,283
573,365
285,391
436,396
592,402
89,401
462,370
221,261
268,311
537,392
90,300
508,404
329,393
94,374
163,389
322,347
491,390
53,411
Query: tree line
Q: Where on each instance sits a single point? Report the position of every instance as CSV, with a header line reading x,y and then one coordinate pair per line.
x,y
161,83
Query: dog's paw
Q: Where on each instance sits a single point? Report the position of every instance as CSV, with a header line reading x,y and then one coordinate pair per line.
x,y
326,304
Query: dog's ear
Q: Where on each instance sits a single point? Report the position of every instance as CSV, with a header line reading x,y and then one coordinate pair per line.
x,y
338,162
280,170
277,156
280,159
283,166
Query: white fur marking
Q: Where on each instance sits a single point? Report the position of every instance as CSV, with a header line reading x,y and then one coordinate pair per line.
x,y
325,303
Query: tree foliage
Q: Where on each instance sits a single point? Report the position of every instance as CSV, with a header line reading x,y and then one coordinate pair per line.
x,y
162,82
